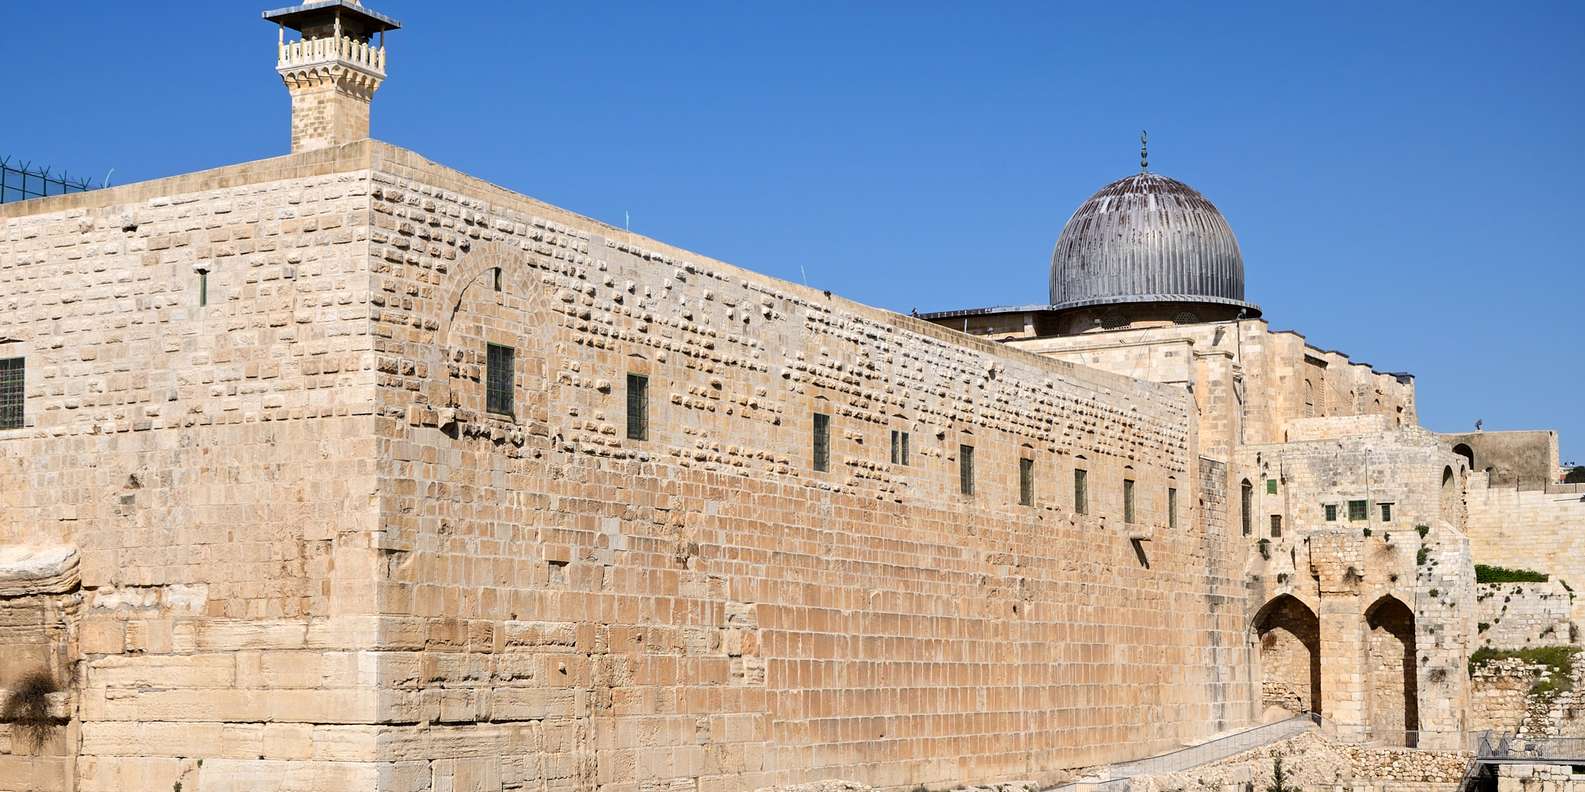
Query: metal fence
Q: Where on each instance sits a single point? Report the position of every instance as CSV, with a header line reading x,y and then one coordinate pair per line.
x,y
1449,741
1204,753
1504,747
20,181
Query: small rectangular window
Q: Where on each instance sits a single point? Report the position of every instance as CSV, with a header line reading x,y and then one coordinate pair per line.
x,y
822,442
496,276
1026,482
1271,486
1172,507
899,447
637,406
203,288
1081,495
1128,501
499,363
1331,512
1276,525
966,469
1246,506
11,393
1386,512
1356,510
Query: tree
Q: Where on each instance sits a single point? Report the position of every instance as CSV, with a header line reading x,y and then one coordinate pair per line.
x,y
1279,779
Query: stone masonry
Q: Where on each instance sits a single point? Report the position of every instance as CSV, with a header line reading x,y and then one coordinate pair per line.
x,y
311,559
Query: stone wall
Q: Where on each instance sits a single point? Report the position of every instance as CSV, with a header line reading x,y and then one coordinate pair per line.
x,y
1530,529
1523,459
1521,615
1512,696
211,464
1389,589
1282,378
1313,762
588,609
311,557
1541,778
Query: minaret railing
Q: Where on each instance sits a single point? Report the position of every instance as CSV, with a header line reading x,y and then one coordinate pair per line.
x,y
309,51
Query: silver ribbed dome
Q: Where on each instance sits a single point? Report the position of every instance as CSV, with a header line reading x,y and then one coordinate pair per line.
x,y
1146,238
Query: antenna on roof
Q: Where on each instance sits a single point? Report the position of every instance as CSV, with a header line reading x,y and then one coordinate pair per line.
x,y
1144,154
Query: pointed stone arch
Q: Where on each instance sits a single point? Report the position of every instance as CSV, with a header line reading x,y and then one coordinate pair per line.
x,y
1287,637
493,296
1392,676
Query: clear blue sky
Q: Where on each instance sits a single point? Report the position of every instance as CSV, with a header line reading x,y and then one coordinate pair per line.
x,y
1405,179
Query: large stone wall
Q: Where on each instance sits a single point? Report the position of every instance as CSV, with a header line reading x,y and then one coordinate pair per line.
x,y
591,610
311,559
212,464
1531,529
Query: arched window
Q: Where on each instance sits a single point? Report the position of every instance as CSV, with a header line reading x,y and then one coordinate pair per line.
x,y
1246,509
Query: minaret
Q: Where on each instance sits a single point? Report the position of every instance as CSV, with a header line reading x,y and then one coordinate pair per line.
x,y
332,70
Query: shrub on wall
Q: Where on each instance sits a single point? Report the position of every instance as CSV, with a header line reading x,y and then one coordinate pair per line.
x,y
27,707
1497,574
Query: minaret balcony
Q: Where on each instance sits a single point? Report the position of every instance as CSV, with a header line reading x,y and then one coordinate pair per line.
x,y
328,50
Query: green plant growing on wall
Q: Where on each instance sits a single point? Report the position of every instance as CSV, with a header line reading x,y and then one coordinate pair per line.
x,y
28,707
1422,530
1497,574
1264,546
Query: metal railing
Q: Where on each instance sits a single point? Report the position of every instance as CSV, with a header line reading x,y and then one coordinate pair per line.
x,y
1219,748
1194,756
1423,740
20,181
1505,747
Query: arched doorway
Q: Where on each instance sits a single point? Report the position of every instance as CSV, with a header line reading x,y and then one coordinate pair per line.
x,y
1463,450
1394,683
1289,637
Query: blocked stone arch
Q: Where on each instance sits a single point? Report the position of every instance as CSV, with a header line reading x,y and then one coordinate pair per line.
x,y
1287,634
475,313
1391,674
1463,450
1449,501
